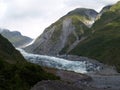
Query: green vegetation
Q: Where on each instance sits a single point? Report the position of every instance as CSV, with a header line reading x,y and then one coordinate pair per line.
x,y
15,72
106,18
115,7
21,77
104,43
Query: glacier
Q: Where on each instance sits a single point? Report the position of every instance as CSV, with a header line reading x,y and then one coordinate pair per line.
x,y
60,63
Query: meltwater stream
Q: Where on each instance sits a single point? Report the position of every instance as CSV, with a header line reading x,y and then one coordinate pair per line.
x,y
59,63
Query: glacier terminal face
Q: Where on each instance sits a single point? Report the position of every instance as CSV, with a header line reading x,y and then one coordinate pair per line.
x,y
59,63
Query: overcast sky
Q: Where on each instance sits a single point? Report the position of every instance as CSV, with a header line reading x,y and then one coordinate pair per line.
x,y
31,17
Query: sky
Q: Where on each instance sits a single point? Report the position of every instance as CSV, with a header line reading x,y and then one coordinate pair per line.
x,y
31,17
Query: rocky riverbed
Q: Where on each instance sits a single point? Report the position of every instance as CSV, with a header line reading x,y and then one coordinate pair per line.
x,y
77,81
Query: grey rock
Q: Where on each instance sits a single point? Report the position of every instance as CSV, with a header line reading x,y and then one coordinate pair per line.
x,y
54,85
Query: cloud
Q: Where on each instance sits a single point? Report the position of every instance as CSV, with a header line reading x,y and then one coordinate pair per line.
x,y
2,9
31,17
32,8
93,4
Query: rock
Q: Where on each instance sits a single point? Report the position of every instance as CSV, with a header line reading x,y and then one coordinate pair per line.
x,y
54,85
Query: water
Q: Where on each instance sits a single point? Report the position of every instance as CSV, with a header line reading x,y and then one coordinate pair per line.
x,y
59,63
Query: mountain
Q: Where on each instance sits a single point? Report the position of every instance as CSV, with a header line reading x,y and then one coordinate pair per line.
x,y
64,34
72,35
104,9
87,16
15,72
15,37
104,43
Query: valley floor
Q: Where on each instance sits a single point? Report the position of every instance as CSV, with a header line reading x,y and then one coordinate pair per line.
x,y
104,78
77,81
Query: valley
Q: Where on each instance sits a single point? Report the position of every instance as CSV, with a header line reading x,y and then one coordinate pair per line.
x,y
80,73
79,51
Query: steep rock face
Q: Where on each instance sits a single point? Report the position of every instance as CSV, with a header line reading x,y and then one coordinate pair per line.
x,y
15,37
104,43
65,34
